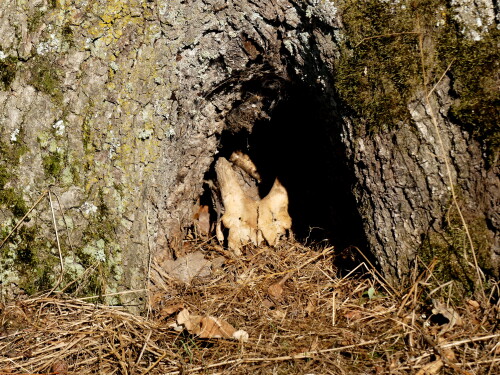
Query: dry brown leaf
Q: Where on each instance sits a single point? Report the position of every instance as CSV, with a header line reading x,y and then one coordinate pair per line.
x,y
171,309
448,353
448,312
353,315
268,303
431,368
191,322
59,367
215,328
204,220
275,290
311,307
473,304
187,267
208,327
248,218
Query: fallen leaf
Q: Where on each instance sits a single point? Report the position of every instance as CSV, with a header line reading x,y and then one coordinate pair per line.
x,y
203,220
215,328
59,367
353,315
448,353
449,313
276,290
171,309
431,368
473,304
311,307
188,267
250,220
268,303
191,322
207,327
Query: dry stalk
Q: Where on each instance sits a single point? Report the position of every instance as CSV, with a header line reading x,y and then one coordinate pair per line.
x,y
293,334
61,262
23,218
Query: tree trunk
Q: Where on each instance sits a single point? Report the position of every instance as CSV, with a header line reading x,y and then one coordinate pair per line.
x,y
121,108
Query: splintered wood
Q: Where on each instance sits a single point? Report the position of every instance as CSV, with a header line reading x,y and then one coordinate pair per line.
x,y
249,219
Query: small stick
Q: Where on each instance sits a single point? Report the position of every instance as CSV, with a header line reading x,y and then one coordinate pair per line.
x,y
144,347
58,244
24,217
155,364
386,35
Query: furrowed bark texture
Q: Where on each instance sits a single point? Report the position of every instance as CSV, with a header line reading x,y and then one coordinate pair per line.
x,y
119,107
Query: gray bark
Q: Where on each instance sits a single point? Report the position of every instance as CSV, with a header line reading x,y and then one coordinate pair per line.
x,y
122,107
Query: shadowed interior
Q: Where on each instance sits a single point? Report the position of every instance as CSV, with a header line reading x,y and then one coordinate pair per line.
x,y
300,145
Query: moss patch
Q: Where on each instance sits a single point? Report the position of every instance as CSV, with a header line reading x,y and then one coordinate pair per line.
x,y
8,69
14,201
46,78
53,164
451,249
475,75
10,197
379,71
29,256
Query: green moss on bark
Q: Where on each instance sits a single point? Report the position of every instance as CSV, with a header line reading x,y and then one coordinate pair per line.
x,y
380,71
475,76
455,261
11,197
8,70
53,164
45,77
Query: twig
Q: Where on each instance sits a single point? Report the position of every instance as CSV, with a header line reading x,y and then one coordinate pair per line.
x,y
303,355
467,341
24,217
374,270
144,347
64,219
112,294
386,35
440,78
58,244
148,280
155,364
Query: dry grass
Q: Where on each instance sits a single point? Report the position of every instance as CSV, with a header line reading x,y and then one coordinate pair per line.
x,y
309,322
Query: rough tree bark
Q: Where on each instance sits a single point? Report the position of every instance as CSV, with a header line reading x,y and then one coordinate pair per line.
x,y
121,107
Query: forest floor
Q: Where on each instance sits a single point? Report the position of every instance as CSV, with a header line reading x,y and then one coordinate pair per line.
x,y
300,316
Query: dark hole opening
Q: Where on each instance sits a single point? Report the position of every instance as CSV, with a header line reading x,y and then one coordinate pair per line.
x,y
300,144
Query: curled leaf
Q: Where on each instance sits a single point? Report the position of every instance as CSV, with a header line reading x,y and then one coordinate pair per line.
x,y
208,327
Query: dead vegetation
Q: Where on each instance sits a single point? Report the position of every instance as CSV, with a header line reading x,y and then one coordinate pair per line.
x,y
301,318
